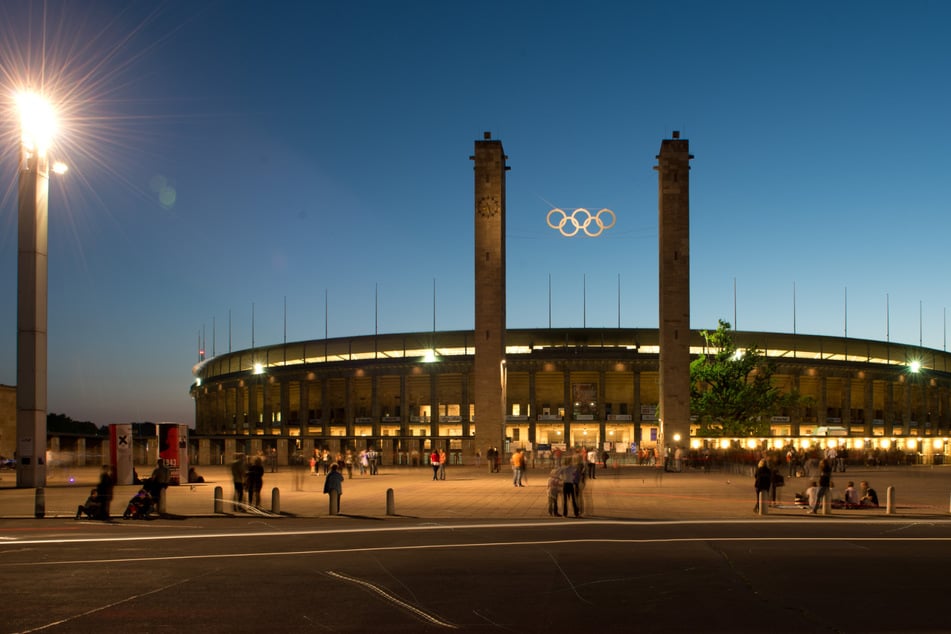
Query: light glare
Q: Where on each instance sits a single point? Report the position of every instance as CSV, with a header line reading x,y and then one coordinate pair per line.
x,y
37,122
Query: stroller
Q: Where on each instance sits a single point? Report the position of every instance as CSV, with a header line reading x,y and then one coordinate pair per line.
x,y
140,506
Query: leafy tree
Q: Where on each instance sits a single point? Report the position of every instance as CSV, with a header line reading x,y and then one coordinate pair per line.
x,y
731,393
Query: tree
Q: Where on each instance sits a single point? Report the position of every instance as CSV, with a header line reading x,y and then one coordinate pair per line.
x,y
731,393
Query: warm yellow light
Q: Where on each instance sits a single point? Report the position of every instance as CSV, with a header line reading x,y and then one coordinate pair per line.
x,y
37,122
59,167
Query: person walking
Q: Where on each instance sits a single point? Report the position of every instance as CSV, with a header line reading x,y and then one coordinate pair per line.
x,y
239,472
434,463
104,491
554,488
255,482
348,463
762,481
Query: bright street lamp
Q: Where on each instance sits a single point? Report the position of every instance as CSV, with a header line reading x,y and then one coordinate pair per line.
x,y
37,127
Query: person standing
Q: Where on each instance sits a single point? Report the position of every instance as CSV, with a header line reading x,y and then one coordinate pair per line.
x,y
518,467
158,481
825,481
239,471
104,491
569,475
272,459
255,482
490,454
434,463
442,464
374,458
762,481
334,482
592,459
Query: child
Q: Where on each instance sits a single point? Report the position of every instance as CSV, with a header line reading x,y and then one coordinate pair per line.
x,y
554,487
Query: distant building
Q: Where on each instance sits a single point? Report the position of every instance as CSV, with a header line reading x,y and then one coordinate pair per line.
x,y
568,387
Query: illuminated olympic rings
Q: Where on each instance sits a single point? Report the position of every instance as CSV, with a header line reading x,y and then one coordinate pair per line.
x,y
580,220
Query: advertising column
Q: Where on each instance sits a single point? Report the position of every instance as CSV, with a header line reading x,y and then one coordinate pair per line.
x,y
173,450
120,452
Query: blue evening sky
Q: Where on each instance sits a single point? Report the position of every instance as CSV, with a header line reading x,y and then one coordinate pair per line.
x,y
226,155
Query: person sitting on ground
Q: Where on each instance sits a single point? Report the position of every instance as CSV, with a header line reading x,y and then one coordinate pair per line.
x,y
869,496
91,507
851,496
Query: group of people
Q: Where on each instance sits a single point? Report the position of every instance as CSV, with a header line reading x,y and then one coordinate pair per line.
x,y
368,461
247,476
568,483
853,498
767,479
437,460
97,505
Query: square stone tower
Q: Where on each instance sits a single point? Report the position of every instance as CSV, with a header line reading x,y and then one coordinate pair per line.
x,y
673,175
489,380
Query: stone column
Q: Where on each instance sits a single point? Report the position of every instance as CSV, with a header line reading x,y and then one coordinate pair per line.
x,y
673,175
489,252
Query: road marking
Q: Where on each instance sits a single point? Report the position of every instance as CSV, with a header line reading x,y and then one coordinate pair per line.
x,y
389,597
6,541
505,544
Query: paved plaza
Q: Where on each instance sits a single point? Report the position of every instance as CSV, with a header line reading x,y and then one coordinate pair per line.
x,y
618,493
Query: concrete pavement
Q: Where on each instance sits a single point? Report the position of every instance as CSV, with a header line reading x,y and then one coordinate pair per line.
x,y
618,493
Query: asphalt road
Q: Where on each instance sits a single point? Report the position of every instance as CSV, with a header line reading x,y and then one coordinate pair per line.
x,y
251,574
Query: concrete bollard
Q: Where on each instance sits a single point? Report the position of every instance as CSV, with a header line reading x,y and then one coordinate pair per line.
x,y
762,503
161,502
39,503
890,501
334,502
276,501
827,503
390,503
219,492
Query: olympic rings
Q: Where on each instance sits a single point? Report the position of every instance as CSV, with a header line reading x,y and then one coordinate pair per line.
x,y
580,220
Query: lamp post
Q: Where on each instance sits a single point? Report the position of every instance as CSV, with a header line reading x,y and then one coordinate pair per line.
x,y
36,118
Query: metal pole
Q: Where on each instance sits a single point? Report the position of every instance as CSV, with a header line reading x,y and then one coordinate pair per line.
x,y
32,295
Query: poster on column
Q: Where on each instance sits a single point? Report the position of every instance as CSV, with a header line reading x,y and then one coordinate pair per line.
x,y
120,452
173,450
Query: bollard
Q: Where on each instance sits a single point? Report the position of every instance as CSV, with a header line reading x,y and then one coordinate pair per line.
x,y
334,502
162,498
890,501
390,503
827,503
276,501
39,506
219,492
762,503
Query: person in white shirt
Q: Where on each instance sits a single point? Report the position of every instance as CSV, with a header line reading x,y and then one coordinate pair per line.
x,y
592,463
